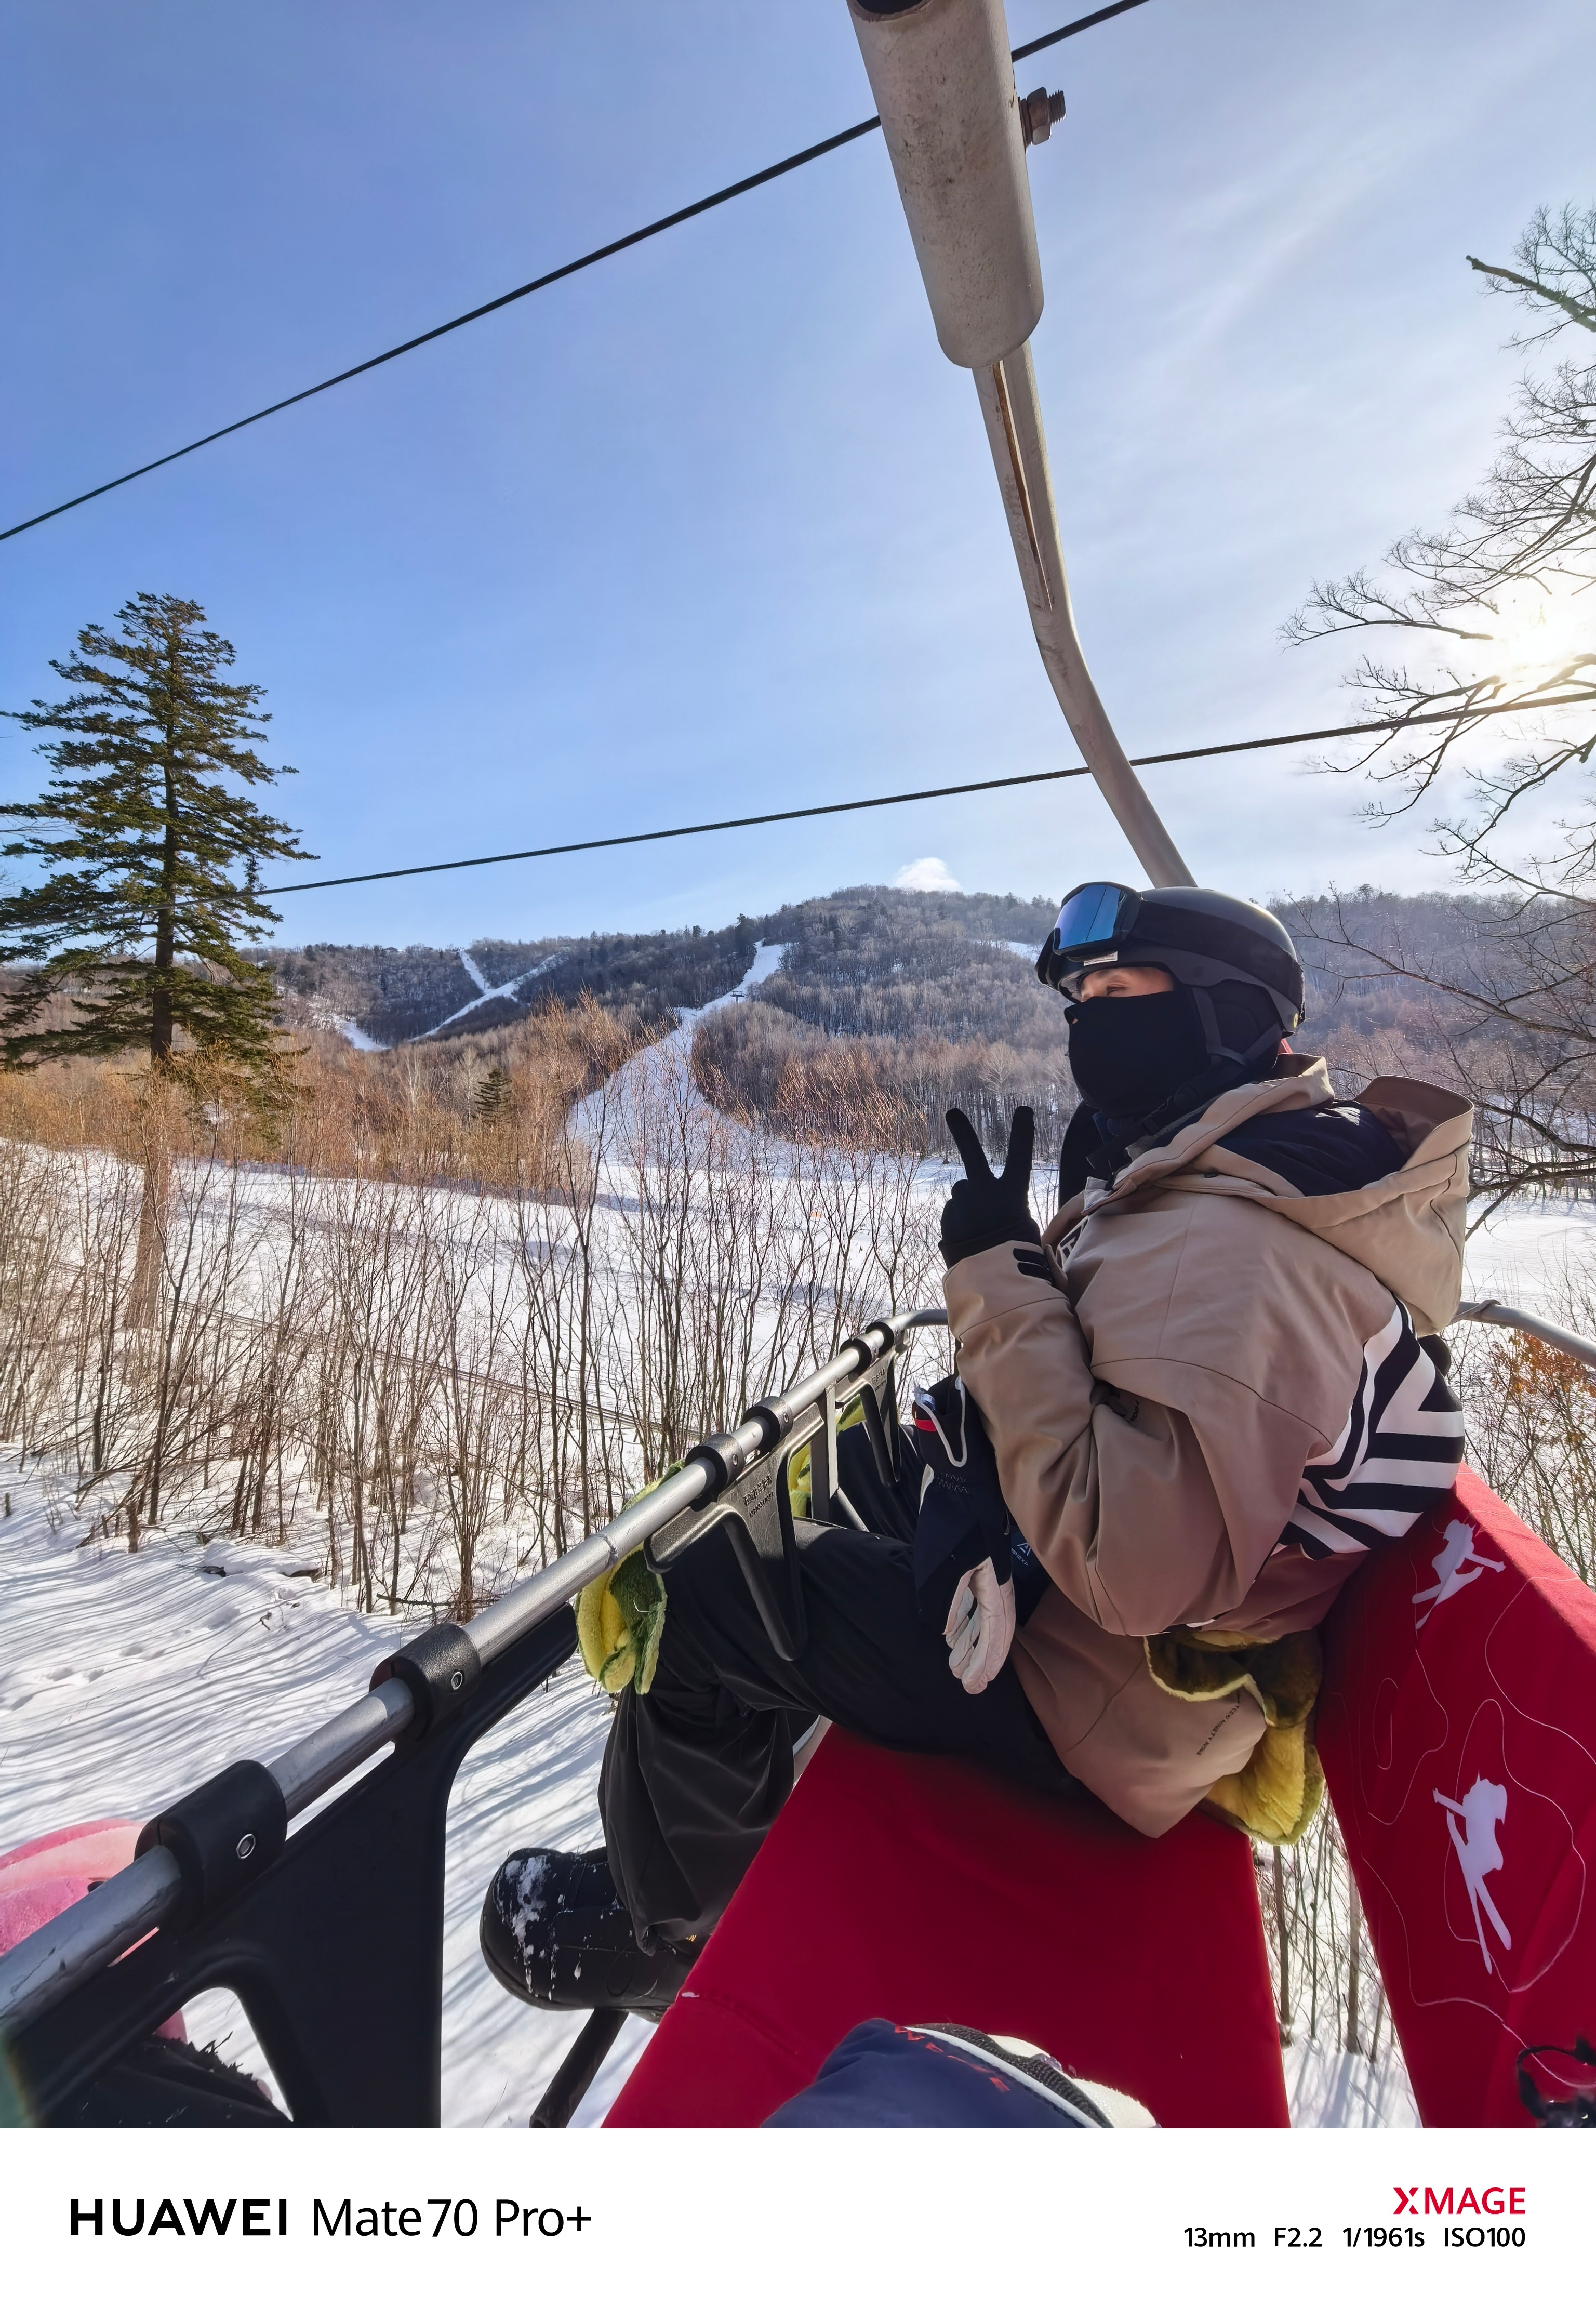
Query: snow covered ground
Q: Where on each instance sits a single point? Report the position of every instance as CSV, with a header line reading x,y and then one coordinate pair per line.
x,y
126,1679
1329,2090
610,1114
486,992
1531,1254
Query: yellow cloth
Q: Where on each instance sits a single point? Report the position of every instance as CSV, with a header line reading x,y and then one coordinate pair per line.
x,y
798,1489
620,1616
619,1619
1275,1796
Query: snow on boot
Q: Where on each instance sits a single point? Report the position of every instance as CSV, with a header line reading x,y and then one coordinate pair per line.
x,y
555,1933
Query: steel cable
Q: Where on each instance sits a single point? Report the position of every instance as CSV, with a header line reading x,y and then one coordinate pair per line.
x,y
926,792
544,280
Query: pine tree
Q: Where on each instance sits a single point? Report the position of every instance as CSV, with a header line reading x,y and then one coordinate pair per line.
x,y
492,1094
140,919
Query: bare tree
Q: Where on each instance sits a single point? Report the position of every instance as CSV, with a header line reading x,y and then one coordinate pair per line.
x,y
1493,996
1501,596
1497,709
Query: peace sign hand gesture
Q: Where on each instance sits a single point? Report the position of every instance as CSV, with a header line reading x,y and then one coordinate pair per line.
x,y
983,1210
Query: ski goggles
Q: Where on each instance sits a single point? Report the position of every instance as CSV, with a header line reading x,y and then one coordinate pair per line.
x,y
1094,921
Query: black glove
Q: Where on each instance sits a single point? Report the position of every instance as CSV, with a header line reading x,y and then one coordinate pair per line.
x,y
982,1211
962,1520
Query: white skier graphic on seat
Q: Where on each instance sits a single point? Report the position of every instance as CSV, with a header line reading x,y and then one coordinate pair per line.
x,y
1481,1810
1455,1566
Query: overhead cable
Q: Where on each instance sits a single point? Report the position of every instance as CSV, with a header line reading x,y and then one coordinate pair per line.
x,y
893,801
544,280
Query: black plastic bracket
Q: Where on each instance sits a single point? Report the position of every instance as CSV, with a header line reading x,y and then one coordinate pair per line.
x,y
724,1458
777,1424
440,1669
343,1985
223,1835
757,1514
879,1400
766,1545
752,1502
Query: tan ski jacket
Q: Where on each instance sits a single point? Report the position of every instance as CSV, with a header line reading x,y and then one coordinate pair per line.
x,y
1156,1383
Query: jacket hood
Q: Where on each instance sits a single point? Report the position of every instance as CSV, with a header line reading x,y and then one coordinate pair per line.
x,y
1405,1228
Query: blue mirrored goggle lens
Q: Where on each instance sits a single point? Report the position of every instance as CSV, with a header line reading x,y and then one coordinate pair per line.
x,y
1089,916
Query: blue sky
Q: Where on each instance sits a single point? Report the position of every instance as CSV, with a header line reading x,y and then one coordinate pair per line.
x,y
713,528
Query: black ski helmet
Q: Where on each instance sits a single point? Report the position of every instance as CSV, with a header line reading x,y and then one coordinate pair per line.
x,y
1203,938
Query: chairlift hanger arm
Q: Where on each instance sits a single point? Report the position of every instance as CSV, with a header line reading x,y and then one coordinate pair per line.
x,y
956,132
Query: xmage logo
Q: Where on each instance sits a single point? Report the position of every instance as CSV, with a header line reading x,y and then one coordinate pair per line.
x,y
1452,2202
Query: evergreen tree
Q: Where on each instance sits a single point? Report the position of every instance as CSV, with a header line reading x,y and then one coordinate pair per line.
x,y
140,919
492,1095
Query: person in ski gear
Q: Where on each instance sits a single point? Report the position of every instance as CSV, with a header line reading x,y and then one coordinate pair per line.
x,y
1206,1384
1203,1400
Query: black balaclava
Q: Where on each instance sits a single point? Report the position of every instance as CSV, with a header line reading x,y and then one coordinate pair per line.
x,y
1141,1062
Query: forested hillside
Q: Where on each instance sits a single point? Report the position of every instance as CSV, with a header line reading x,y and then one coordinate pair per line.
x,y
864,961
890,1005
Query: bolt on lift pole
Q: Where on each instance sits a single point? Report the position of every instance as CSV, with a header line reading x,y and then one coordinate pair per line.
x,y
956,132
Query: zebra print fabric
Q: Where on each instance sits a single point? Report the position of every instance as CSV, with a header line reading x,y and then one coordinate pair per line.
x,y
1399,1448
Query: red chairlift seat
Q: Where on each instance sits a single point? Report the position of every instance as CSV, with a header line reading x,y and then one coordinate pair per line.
x,y
905,1887
915,1889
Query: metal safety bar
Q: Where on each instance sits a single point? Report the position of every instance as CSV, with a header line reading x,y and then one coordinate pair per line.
x,y
42,1969
1512,1317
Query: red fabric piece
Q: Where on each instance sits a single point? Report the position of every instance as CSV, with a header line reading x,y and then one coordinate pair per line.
x,y
910,1888
39,1880
1461,1668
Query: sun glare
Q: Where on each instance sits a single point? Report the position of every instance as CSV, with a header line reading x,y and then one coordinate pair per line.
x,y
1540,634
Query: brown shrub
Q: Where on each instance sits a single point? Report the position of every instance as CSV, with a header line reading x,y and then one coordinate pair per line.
x,y
758,1063
414,1115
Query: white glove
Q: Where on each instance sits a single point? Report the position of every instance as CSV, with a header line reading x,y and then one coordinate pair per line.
x,y
980,1627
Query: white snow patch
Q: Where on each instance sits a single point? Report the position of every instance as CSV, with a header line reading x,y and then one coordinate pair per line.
x,y
926,875
335,1021
472,971
355,1037
1533,1255
612,1111
1340,2090
127,1679
768,959
510,987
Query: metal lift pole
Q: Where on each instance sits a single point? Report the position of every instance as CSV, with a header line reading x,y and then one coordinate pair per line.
x,y
956,132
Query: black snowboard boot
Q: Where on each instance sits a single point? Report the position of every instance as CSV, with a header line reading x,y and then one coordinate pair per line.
x,y
555,1933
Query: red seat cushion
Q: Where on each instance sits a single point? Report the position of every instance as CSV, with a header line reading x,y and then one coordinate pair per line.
x,y
1461,1668
905,1887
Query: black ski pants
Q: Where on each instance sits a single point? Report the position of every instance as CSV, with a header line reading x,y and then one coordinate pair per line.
x,y
695,1772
